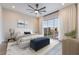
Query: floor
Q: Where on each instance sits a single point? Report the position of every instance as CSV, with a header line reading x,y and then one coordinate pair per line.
x,y
55,48
3,48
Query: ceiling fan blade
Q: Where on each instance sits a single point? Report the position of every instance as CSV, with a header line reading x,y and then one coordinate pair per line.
x,y
43,11
42,8
31,7
36,5
40,12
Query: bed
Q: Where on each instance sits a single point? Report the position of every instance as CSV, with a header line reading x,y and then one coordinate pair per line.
x,y
24,40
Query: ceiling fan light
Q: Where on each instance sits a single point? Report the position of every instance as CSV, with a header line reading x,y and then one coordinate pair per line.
x,y
36,12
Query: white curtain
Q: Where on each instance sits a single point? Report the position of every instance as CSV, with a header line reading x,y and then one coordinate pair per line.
x,y
67,17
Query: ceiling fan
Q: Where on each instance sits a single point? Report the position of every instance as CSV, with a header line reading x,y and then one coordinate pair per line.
x,y
36,9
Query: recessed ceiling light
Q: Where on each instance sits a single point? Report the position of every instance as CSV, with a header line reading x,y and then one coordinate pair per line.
x,y
62,3
13,6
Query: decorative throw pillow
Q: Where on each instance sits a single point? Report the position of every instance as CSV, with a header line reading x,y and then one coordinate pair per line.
x,y
27,33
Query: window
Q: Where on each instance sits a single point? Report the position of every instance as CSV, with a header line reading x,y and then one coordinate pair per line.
x,y
50,23
49,26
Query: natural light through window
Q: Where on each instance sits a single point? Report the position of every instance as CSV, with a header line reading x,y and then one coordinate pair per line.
x,y
50,23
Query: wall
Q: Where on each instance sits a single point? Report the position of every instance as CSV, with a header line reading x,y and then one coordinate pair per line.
x,y
41,30
1,27
51,16
10,21
36,23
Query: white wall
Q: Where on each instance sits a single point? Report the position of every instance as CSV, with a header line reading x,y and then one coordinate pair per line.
x,y
10,21
41,30
1,27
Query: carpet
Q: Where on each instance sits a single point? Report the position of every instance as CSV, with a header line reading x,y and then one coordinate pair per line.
x,y
13,49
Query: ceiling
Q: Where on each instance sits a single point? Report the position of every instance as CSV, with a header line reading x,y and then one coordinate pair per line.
x,y
22,7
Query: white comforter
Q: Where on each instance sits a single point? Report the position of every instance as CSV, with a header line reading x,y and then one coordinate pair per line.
x,y
25,40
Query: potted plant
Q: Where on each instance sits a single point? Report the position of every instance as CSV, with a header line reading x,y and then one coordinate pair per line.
x,y
71,34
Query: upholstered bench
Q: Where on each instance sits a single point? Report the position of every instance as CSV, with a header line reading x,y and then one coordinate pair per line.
x,y
39,43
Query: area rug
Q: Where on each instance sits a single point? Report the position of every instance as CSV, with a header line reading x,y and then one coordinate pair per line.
x,y
13,49
57,50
